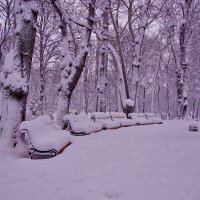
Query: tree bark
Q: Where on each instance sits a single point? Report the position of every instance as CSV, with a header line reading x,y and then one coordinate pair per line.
x,y
16,77
182,82
102,80
138,39
121,55
154,83
71,69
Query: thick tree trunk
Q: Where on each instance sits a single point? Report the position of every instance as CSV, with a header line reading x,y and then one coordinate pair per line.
x,y
122,71
42,66
85,92
138,50
102,80
71,69
159,103
16,74
154,83
144,100
97,75
122,95
182,82
197,110
168,103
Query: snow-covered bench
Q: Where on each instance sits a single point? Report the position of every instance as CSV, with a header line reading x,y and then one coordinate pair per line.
x,y
121,118
81,124
194,126
140,118
105,120
152,116
42,138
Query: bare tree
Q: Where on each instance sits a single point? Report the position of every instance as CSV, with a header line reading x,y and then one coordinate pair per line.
x,y
46,49
71,68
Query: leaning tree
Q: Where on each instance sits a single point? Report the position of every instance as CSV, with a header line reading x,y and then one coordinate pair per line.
x,y
72,67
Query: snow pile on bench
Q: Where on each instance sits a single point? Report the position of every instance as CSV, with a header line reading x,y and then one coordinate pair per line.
x,y
42,136
152,116
121,118
140,118
105,120
81,124
194,126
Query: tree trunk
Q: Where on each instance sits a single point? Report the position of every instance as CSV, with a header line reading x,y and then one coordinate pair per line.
x,y
137,51
85,92
144,100
41,61
97,75
182,82
168,103
122,71
154,83
159,105
17,74
71,69
102,80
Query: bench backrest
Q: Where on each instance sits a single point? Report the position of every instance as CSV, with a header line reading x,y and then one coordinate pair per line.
x,y
39,123
100,116
152,115
118,115
136,115
76,118
36,128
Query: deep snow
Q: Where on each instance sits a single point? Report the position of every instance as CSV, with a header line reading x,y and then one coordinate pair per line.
x,y
153,162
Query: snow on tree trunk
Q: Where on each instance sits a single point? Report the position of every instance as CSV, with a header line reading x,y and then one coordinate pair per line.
x,y
85,91
144,99
102,80
168,102
182,82
121,67
42,67
121,81
154,83
97,74
16,70
42,76
180,56
71,68
137,51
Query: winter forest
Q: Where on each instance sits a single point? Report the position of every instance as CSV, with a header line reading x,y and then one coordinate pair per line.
x,y
98,55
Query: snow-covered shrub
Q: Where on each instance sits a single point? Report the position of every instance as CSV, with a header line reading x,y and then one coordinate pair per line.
x,y
128,106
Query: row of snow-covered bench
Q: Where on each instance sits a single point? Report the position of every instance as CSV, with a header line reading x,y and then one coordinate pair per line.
x,y
44,138
85,124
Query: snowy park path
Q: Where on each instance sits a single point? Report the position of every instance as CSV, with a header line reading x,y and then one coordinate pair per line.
x,y
155,162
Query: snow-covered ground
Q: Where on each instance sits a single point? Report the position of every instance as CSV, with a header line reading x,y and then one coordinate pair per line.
x,y
154,162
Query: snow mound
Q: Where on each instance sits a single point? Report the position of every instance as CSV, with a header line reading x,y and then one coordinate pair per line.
x,y
140,118
100,115
121,118
194,126
128,103
152,116
118,115
43,136
82,124
105,120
